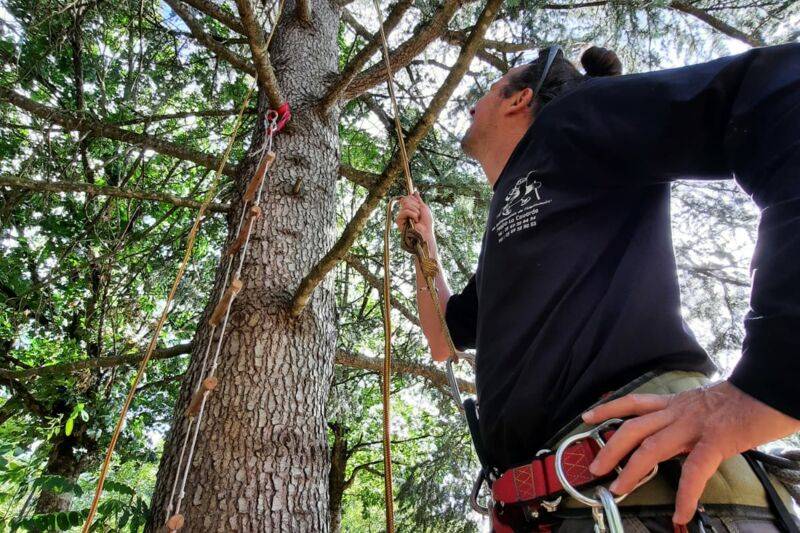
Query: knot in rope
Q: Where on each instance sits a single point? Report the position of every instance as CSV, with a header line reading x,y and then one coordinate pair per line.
x,y
410,239
429,267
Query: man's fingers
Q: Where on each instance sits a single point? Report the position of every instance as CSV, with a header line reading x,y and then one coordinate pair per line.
x,y
405,214
632,404
698,468
630,435
654,449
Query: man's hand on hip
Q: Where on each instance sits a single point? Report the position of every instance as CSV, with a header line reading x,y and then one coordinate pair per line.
x,y
711,424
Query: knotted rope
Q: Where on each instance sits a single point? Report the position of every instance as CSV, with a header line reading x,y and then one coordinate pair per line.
x,y
276,120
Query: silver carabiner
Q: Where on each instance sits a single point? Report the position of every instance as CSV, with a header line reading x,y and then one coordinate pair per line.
x,y
451,377
594,434
607,513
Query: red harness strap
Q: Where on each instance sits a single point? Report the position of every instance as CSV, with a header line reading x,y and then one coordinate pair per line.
x,y
537,480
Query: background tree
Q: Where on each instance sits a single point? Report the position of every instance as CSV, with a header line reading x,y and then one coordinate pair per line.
x,y
112,117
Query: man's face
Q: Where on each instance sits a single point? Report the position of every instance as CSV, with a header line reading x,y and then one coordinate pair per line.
x,y
487,116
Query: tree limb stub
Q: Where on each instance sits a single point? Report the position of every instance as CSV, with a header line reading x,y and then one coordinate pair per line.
x,y
415,136
97,128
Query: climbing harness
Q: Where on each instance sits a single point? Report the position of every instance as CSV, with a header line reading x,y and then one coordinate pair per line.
x,y
598,436
604,507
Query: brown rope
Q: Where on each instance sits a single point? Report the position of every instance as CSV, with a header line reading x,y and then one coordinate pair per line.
x,y
207,200
413,242
387,374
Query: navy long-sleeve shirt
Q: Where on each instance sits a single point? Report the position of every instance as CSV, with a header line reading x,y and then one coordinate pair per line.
x,y
576,290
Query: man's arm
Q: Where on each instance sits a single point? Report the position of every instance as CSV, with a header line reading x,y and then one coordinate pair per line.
x,y
412,207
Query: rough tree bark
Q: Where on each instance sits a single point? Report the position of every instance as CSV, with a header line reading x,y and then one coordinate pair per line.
x,y
261,462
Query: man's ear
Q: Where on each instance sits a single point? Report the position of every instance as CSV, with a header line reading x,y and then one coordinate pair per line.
x,y
521,101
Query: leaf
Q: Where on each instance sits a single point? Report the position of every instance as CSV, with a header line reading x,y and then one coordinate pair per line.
x,y
75,518
118,487
68,426
62,522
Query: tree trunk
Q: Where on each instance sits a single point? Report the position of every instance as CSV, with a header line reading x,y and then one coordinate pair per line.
x,y
261,461
67,459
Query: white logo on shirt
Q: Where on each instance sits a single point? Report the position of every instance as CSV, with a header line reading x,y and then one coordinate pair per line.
x,y
521,207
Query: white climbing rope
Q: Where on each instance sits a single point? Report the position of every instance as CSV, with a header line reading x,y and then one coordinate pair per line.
x,y
173,519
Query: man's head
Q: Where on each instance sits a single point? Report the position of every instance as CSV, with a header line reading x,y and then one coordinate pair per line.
x,y
503,114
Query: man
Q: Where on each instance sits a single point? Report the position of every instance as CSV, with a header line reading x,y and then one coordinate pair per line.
x,y
576,292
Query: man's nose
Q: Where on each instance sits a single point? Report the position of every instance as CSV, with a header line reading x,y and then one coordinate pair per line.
x,y
472,112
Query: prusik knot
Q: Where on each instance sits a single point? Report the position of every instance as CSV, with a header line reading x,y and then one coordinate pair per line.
x,y
429,267
411,238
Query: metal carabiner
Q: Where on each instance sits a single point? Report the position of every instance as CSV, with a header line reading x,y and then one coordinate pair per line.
x,y
451,376
608,512
594,434
476,491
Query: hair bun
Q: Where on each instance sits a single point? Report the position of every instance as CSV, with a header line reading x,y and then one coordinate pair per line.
x,y
601,62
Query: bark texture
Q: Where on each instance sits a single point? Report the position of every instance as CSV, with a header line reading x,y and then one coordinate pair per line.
x,y
261,462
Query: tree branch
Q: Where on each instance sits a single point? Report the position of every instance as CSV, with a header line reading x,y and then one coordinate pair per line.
x,y
208,41
345,358
375,364
99,362
258,46
356,25
719,25
417,133
185,114
377,283
460,36
213,11
100,190
23,395
338,86
423,35
701,14
97,128
360,177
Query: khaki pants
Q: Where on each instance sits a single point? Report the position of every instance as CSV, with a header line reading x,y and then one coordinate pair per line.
x,y
733,519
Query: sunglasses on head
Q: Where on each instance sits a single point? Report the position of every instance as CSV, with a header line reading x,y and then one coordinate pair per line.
x,y
552,52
